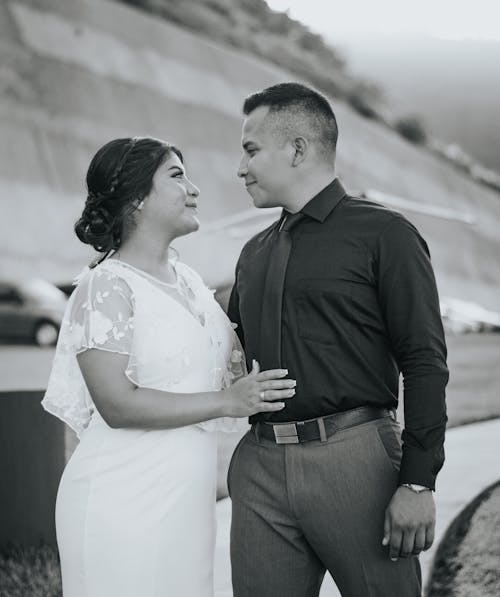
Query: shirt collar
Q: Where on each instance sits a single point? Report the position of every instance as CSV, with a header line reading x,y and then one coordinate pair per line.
x,y
322,204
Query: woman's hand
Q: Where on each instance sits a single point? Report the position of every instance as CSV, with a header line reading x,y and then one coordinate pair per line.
x,y
258,392
125,406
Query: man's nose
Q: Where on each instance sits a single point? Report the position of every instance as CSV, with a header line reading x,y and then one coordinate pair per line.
x,y
243,168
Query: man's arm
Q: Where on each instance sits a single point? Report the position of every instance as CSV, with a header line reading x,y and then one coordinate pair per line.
x,y
409,301
410,305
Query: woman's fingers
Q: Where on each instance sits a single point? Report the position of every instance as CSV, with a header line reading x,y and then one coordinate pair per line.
x,y
255,367
270,406
277,384
271,374
270,388
270,395
266,390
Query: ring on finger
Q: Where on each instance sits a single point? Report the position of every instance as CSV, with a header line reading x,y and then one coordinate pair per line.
x,y
262,395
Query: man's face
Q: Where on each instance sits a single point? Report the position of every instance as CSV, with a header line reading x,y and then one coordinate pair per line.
x,y
266,162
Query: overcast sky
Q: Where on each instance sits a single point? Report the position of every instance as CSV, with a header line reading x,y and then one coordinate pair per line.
x,y
451,19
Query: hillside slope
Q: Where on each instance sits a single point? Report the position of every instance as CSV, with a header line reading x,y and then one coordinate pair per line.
x,y
74,75
456,73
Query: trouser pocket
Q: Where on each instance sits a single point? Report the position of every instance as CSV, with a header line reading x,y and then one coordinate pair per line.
x,y
389,435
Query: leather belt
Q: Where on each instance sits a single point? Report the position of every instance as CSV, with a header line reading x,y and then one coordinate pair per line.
x,y
297,432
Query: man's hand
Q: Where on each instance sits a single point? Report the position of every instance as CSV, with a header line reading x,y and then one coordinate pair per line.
x,y
409,523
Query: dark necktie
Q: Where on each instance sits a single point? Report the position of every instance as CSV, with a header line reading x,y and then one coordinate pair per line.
x,y
272,299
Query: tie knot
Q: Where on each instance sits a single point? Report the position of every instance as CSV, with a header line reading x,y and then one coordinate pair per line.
x,y
290,220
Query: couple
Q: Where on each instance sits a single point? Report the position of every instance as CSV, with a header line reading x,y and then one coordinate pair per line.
x,y
331,302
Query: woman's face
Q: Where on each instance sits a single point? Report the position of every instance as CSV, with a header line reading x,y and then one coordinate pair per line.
x,y
172,203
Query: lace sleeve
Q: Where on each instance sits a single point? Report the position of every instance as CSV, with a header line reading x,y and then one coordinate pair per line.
x,y
102,314
99,314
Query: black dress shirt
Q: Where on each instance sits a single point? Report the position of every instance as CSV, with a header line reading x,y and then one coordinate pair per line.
x,y
360,305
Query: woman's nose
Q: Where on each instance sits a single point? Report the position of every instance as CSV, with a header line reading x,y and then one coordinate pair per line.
x,y
193,190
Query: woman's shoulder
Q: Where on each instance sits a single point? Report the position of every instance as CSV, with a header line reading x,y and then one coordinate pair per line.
x,y
107,269
101,281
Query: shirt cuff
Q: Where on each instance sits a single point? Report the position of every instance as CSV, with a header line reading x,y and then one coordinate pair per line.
x,y
419,467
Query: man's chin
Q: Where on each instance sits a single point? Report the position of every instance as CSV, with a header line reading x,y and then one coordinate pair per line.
x,y
258,200
263,203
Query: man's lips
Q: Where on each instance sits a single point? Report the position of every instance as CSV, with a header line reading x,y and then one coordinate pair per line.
x,y
248,183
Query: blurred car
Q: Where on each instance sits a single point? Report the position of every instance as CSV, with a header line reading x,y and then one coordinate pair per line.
x,y
31,310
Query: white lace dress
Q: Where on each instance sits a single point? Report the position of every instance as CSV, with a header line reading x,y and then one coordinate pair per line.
x,y
135,512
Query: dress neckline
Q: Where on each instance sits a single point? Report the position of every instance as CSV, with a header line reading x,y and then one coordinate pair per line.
x,y
146,274
177,286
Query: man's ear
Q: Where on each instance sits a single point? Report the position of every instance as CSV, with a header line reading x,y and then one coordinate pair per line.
x,y
300,146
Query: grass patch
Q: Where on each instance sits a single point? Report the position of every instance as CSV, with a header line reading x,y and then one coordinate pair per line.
x,y
31,571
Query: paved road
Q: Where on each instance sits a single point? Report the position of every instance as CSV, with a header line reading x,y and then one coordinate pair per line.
x,y
24,367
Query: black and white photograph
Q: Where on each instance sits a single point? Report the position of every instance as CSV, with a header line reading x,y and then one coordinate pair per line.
x,y
249,298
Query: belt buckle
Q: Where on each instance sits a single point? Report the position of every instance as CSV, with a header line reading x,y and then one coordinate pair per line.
x,y
286,433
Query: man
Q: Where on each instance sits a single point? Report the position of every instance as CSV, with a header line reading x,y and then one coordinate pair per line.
x,y
340,291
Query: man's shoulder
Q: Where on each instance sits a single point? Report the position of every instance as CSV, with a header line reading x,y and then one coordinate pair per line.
x,y
362,204
377,215
256,240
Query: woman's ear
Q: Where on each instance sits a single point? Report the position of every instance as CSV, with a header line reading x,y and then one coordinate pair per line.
x,y
300,146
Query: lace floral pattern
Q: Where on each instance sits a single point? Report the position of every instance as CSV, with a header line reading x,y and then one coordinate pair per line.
x,y
175,341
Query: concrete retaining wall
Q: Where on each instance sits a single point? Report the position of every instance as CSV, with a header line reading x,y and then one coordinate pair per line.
x,y
32,458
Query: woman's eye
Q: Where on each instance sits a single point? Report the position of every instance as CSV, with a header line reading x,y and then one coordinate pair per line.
x,y
179,175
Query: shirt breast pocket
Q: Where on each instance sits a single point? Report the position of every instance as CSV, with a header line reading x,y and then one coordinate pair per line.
x,y
324,309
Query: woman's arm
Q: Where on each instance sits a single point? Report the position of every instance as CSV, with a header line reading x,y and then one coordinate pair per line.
x,y
124,405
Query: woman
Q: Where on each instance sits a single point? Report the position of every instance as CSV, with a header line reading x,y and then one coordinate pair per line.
x,y
143,373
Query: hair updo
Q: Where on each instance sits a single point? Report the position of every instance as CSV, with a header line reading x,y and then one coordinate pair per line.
x,y
119,177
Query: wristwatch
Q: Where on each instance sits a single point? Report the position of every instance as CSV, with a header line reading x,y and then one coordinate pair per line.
x,y
415,488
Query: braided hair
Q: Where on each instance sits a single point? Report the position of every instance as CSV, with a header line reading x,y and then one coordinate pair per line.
x,y
119,177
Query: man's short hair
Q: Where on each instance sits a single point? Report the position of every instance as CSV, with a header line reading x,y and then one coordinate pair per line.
x,y
303,112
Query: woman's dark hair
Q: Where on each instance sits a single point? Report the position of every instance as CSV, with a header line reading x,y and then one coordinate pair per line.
x,y
119,177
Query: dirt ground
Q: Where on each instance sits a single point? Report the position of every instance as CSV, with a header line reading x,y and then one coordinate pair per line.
x,y
467,561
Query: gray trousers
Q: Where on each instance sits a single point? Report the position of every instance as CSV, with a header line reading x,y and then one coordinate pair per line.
x,y
302,509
